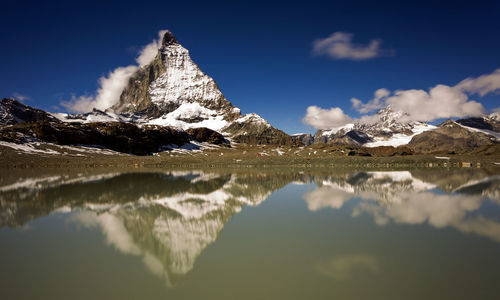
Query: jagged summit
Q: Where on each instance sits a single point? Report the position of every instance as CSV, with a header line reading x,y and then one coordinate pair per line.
x,y
13,112
170,80
168,39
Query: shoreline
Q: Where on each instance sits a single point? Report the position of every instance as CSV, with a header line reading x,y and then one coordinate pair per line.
x,y
240,158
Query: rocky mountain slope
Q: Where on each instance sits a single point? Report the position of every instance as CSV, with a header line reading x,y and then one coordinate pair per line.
x,y
173,91
13,112
167,102
489,123
450,137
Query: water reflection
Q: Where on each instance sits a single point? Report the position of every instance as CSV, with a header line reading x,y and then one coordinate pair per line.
x,y
168,219
401,197
344,267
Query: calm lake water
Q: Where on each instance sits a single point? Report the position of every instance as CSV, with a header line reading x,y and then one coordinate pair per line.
x,y
260,235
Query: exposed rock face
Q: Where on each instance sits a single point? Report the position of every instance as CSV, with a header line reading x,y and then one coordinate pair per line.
x,y
342,137
169,81
491,122
450,137
305,139
173,91
353,137
207,135
389,123
252,129
13,112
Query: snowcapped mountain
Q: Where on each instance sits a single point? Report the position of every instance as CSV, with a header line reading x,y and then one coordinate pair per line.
x,y
168,102
392,128
173,91
387,128
489,124
171,101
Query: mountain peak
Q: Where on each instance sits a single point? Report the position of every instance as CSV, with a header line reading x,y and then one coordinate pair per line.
x,y
168,39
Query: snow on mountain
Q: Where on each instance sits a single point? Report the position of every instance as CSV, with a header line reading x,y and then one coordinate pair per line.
x,y
253,118
345,128
182,81
173,91
190,115
13,112
399,139
94,116
386,128
496,135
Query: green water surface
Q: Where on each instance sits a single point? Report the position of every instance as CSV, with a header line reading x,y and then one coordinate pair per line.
x,y
256,235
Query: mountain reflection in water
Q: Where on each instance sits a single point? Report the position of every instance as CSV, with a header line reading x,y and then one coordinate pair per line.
x,y
402,198
168,219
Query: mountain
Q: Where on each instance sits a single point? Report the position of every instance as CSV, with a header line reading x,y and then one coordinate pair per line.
x,y
489,123
305,139
172,81
388,128
173,91
13,112
450,137
172,102
167,102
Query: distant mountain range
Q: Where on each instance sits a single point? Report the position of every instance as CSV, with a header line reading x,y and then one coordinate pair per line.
x,y
171,102
390,129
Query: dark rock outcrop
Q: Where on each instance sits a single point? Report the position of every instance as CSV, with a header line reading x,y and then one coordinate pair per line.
x,y
305,139
207,136
449,138
13,112
256,131
121,137
491,122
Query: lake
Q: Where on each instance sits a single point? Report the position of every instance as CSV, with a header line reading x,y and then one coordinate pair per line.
x,y
256,234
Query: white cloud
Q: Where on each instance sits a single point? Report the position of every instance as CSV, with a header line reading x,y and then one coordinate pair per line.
x,y
326,196
481,85
496,111
441,101
148,53
108,94
112,85
20,97
345,267
376,103
339,46
112,227
321,118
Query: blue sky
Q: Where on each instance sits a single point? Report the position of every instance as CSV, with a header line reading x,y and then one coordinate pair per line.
x,y
259,53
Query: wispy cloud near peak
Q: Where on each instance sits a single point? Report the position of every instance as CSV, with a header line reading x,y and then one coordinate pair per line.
x,y
20,96
112,85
